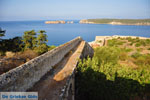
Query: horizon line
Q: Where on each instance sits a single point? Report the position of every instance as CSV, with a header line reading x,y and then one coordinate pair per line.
x,y
73,19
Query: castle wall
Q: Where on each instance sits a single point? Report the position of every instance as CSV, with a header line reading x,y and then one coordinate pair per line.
x,y
68,92
25,76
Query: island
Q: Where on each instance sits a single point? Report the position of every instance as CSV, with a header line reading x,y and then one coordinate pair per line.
x,y
70,22
116,21
55,22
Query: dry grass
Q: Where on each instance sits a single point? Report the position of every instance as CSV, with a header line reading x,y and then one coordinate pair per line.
x,y
12,60
28,54
10,54
128,63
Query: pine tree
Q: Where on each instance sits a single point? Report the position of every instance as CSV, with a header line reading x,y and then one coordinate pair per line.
x,y
29,39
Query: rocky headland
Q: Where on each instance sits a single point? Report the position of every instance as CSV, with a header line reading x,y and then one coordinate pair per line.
x,y
116,21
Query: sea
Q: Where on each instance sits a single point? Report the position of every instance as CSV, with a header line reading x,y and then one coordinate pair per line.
x,y
61,33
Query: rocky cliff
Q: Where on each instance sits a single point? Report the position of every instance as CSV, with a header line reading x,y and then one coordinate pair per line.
x,y
55,22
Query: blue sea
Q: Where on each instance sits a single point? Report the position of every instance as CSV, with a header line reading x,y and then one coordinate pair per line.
x,y
61,33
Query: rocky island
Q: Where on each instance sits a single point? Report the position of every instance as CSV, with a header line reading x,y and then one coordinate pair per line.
x,y
116,21
70,22
55,22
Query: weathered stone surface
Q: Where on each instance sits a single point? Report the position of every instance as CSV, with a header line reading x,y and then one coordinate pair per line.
x,y
84,51
25,76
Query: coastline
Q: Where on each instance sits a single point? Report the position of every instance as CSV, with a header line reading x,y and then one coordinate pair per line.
x,y
85,21
116,24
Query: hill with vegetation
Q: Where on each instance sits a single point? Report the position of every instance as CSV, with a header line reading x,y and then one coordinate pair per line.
x,y
118,71
117,21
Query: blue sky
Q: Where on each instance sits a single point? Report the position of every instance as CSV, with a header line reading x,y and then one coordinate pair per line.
x,y
73,9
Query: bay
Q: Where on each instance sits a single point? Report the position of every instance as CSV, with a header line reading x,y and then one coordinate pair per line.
x,y
61,33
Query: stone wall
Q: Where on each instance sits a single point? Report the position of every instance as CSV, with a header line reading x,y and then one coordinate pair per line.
x,y
116,36
25,76
68,93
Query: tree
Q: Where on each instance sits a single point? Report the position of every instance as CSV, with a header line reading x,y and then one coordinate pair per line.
x,y
2,32
41,42
42,38
29,39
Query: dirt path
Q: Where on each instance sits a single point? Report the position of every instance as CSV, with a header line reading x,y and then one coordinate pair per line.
x,y
50,85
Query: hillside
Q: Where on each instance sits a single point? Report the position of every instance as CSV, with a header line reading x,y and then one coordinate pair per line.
x,y
119,70
117,21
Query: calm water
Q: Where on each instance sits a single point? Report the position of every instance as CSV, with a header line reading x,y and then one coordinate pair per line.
x,y
61,33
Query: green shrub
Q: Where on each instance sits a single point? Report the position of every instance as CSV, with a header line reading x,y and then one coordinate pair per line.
x,y
123,56
115,42
41,49
137,44
148,41
141,60
107,54
110,81
136,55
139,49
131,44
143,42
129,39
51,47
127,49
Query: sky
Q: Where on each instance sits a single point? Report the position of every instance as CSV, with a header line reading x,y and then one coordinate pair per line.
x,y
73,9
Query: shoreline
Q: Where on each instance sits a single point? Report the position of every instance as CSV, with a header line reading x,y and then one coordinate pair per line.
x,y
115,22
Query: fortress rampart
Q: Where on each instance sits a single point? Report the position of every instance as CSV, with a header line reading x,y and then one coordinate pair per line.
x,y
23,77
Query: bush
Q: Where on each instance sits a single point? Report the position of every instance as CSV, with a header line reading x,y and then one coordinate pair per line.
x,y
148,41
127,49
115,42
137,44
41,49
141,59
123,56
107,54
139,49
136,55
51,47
109,82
